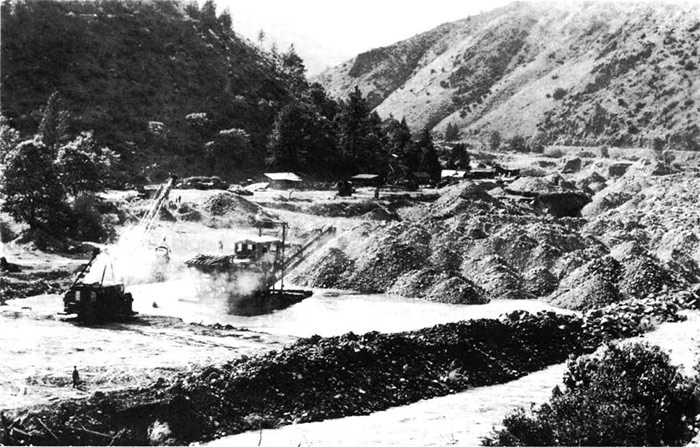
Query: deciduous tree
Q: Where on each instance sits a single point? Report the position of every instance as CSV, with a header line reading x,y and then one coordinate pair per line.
x,y
31,187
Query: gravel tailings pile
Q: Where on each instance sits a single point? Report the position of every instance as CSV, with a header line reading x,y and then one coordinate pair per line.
x,y
488,247
494,248
661,217
319,378
226,203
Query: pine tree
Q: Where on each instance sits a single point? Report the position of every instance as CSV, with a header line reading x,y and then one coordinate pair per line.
x,y
429,162
494,140
53,127
208,14
403,159
451,132
293,66
459,157
302,140
353,129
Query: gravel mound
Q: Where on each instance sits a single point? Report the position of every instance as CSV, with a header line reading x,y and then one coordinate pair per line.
x,y
438,286
227,203
590,286
606,280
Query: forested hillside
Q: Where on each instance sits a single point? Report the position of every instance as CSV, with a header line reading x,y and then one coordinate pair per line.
x,y
576,73
169,86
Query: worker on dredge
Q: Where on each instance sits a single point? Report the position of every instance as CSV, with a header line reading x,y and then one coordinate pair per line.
x,y
76,377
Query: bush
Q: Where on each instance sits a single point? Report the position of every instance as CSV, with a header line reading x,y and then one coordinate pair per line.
x,y
89,223
559,93
626,395
517,144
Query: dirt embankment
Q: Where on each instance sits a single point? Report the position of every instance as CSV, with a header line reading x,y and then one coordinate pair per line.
x,y
319,378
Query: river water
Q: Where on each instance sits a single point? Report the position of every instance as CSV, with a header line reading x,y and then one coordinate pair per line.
x,y
325,313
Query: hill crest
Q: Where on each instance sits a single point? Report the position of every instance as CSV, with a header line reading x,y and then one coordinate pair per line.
x,y
585,73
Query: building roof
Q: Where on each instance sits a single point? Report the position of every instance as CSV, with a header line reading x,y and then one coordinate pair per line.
x,y
287,176
452,173
364,176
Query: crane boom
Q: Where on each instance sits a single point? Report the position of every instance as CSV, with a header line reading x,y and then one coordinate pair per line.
x,y
158,201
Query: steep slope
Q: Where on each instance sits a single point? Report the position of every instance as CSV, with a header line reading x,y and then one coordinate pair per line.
x,y
585,73
121,65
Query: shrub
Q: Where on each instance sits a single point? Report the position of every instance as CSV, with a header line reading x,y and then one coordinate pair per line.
x,y
517,144
559,93
627,395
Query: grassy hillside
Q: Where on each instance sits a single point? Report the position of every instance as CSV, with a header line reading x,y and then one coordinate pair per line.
x,y
587,73
121,65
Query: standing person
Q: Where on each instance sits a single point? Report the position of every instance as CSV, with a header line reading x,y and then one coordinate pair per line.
x,y
221,245
76,377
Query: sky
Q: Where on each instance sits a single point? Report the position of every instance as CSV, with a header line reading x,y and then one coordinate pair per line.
x,y
326,33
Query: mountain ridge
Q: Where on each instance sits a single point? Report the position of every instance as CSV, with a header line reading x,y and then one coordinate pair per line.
x,y
593,73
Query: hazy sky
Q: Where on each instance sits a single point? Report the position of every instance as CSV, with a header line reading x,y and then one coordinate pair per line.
x,y
328,32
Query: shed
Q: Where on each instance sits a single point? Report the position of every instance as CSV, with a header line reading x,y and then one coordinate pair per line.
x,y
452,174
366,180
284,180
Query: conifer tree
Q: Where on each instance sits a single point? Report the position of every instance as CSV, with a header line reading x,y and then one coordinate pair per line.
x,y
53,127
459,157
429,163
451,132
359,141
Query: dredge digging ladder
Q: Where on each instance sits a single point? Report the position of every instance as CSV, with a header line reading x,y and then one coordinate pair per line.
x,y
299,256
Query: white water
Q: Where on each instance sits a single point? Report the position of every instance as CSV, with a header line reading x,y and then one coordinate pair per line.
x,y
325,313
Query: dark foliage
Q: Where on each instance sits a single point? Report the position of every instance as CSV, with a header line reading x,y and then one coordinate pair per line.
x,y
429,162
121,65
631,395
32,190
451,132
459,157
